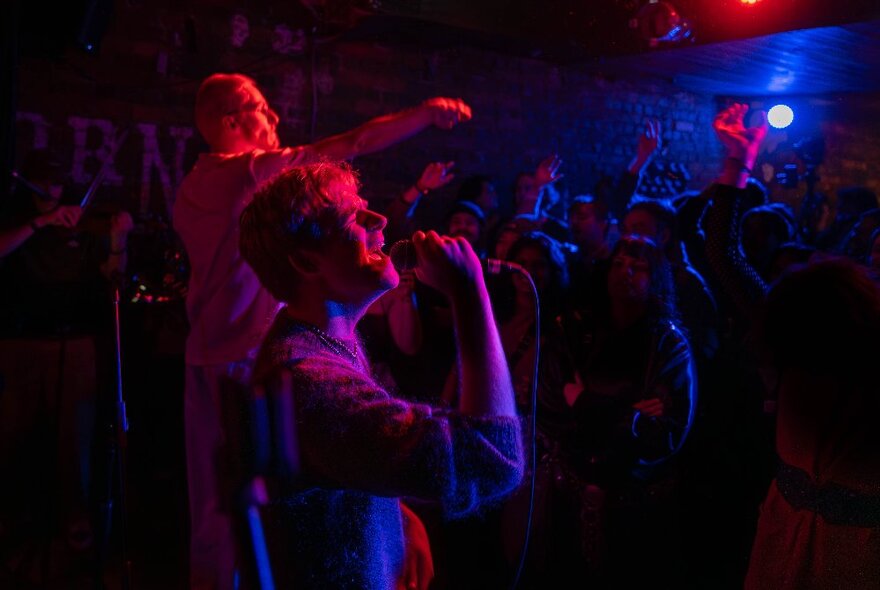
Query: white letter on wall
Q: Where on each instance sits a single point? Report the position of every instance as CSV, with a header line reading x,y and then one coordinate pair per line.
x,y
81,151
153,159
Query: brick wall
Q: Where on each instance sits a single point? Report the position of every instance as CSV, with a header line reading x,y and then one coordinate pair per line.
x,y
852,144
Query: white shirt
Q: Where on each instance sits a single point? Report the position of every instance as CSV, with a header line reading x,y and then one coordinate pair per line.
x,y
229,311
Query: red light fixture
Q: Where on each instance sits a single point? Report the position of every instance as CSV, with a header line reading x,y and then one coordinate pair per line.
x,y
749,2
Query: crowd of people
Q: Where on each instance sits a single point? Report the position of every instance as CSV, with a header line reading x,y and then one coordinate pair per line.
x,y
674,392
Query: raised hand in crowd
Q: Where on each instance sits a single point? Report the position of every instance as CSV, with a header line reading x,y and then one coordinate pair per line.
x,y
740,142
547,171
434,176
648,143
530,187
401,212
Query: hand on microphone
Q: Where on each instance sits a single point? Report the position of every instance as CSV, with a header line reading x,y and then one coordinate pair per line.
x,y
446,264
403,257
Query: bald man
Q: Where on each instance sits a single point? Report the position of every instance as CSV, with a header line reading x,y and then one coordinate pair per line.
x,y
228,309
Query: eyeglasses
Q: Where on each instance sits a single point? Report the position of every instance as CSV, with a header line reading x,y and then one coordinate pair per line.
x,y
260,108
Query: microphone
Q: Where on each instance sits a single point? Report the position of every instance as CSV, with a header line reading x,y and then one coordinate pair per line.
x,y
403,256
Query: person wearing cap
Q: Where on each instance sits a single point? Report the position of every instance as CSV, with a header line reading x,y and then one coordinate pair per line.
x,y
466,220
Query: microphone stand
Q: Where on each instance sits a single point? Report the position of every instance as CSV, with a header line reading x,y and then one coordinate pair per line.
x,y
116,447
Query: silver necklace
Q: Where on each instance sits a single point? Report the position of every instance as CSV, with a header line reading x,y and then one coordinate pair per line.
x,y
333,343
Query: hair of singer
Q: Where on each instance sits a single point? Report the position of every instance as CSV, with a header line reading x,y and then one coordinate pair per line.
x,y
293,212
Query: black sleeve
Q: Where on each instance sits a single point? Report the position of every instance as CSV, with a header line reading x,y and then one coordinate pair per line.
x,y
731,271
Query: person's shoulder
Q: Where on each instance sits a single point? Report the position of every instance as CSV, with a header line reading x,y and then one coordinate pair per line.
x,y
287,156
288,346
266,164
215,182
298,154
210,162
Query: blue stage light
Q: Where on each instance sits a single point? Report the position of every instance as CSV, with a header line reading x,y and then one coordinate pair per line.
x,y
780,116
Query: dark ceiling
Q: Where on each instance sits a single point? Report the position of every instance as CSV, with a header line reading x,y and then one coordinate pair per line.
x,y
811,61
775,47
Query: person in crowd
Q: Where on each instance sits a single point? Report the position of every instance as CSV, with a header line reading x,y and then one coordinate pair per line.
x,y
507,235
818,523
788,255
466,219
764,230
316,247
228,309
589,220
530,208
479,189
627,384
689,209
818,520
617,192
57,267
695,301
851,203
855,244
738,437
756,194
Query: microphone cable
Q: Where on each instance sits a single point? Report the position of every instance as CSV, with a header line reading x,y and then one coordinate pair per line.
x,y
532,463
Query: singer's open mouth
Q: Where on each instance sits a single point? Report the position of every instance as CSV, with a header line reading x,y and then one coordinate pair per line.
x,y
375,253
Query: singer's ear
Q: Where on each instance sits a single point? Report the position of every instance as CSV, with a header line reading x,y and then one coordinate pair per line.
x,y
303,262
229,123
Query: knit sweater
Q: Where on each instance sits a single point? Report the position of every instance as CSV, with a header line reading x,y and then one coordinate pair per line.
x,y
361,450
